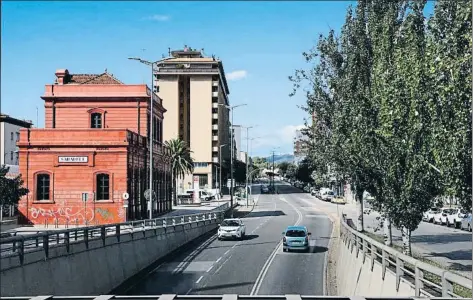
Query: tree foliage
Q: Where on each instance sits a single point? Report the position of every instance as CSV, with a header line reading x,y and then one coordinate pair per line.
x,y
181,161
391,97
11,189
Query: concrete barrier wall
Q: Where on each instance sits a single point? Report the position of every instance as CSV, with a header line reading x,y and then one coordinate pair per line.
x,y
359,275
97,269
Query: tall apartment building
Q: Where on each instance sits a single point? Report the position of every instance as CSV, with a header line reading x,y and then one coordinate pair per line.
x,y
196,91
237,141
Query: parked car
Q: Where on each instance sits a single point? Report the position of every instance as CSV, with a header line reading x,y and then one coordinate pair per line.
x,y
295,238
429,215
466,222
314,192
327,195
264,189
455,217
203,195
441,216
339,200
231,228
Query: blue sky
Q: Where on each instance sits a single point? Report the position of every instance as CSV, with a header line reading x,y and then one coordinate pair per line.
x,y
261,40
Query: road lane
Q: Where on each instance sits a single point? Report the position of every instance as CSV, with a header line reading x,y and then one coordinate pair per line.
x,y
299,272
222,267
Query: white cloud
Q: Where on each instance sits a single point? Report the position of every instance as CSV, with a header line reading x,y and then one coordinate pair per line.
x,y
282,138
237,75
159,18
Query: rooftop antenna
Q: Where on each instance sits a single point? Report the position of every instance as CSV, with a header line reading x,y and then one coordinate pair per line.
x,y
105,70
169,51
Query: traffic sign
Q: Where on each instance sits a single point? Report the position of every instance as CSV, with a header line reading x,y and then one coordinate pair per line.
x,y
125,196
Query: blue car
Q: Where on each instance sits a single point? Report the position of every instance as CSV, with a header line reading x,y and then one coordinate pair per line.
x,y
295,238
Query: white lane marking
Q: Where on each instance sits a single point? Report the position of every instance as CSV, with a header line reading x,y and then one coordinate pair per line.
x,y
264,270
226,252
193,253
200,278
218,259
208,270
189,291
219,268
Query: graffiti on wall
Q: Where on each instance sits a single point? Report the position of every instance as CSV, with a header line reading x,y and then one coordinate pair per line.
x,y
74,214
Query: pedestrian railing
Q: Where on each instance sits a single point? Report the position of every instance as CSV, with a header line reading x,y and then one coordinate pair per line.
x,y
21,244
426,279
210,297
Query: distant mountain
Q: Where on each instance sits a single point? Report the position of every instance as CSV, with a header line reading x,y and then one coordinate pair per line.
x,y
281,158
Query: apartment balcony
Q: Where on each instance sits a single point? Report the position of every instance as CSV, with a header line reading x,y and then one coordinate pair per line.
x,y
214,116
215,127
214,83
215,105
215,138
214,94
215,160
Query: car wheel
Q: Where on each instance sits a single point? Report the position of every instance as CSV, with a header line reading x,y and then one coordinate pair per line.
x,y
469,227
284,250
448,223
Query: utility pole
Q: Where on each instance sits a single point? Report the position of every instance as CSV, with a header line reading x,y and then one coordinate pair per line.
x,y
231,108
220,169
151,120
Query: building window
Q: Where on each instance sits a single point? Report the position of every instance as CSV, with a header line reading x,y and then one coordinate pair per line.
x,y
200,164
96,120
17,136
203,180
43,185
11,155
214,88
11,134
103,187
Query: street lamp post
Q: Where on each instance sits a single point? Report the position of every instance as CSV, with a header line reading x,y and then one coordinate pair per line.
x,y
151,121
231,108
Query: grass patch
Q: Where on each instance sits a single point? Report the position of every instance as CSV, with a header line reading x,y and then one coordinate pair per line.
x,y
457,289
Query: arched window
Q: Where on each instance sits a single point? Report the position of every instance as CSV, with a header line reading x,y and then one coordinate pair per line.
x,y
102,187
43,184
96,120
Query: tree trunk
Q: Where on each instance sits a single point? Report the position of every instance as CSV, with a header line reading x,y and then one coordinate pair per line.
x,y
406,241
388,234
359,210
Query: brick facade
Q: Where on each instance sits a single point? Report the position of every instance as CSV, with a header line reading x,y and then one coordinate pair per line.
x,y
69,158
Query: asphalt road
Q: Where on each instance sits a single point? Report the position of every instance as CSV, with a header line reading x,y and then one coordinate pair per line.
x,y
256,265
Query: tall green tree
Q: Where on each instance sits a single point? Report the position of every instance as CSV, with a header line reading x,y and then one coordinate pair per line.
x,y
449,45
11,189
181,162
283,166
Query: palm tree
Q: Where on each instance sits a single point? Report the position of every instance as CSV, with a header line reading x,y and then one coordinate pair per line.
x,y
181,161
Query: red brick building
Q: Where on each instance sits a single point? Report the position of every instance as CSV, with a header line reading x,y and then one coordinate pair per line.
x,y
94,146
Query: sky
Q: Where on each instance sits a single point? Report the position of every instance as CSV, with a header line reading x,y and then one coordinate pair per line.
x,y
260,44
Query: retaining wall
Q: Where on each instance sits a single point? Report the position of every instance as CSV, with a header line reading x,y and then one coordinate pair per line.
x,y
357,275
98,268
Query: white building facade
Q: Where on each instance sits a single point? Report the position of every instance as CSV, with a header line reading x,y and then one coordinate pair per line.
x,y
10,135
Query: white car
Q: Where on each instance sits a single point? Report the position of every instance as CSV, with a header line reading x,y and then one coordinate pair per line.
x,y
441,216
455,217
429,215
231,228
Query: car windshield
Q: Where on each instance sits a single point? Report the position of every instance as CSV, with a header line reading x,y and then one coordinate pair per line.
x,y
231,223
295,233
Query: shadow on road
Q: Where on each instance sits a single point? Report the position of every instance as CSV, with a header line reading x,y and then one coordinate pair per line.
x,y
443,238
270,213
221,286
453,255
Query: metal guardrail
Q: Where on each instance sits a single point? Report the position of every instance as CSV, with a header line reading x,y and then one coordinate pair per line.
x,y
426,279
22,244
211,297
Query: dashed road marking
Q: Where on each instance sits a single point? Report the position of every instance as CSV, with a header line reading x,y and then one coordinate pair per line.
x,y
221,266
226,252
218,259
200,278
208,270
